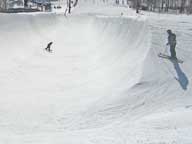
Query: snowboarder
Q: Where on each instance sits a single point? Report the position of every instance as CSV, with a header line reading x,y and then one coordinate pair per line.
x,y
48,48
172,43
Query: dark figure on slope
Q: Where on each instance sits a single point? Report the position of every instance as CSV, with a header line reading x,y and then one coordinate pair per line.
x,y
48,48
172,43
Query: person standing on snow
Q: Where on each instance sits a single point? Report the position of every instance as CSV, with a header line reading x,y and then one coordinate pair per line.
x,y
48,48
172,43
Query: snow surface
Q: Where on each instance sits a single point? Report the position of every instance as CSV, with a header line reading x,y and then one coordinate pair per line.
x,y
103,83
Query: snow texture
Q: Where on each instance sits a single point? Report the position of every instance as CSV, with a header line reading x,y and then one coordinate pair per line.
x,y
102,84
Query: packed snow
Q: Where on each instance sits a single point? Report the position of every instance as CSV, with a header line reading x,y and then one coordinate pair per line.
x,y
102,84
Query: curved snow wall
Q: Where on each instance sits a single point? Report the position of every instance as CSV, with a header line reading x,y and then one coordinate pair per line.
x,y
95,61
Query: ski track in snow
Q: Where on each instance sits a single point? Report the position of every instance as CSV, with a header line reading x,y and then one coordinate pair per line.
x,y
103,83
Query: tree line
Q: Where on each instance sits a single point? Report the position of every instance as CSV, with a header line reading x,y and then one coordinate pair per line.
x,y
3,4
179,6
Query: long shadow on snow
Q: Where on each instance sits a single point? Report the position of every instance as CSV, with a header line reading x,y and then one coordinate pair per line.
x,y
181,76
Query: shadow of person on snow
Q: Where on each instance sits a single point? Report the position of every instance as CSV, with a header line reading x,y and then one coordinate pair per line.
x,y
181,76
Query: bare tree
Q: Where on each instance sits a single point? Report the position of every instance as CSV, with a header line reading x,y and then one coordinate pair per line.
x,y
26,3
164,5
75,3
3,4
190,6
117,2
69,6
182,7
138,3
154,4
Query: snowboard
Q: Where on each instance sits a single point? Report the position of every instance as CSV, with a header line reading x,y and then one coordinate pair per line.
x,y
50,51
161,55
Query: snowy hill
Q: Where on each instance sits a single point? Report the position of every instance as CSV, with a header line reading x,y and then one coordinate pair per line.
x,y
103,83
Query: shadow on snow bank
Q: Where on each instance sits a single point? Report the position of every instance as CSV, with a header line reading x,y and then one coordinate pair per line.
x,y
181,76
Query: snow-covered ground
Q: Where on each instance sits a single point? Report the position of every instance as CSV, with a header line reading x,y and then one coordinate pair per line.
x,y
103,83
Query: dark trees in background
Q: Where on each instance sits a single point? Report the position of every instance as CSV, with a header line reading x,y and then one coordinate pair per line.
x,y
173,6
190,7
3,4
69,6
75,3
138,4
135,4
26,3
182,8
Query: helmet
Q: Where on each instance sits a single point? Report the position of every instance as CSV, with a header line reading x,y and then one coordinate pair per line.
x,y
169,31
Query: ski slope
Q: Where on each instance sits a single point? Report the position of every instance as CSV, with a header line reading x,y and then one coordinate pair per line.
x,y
103,83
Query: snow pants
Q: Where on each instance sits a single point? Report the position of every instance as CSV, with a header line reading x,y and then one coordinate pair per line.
x,y
172,50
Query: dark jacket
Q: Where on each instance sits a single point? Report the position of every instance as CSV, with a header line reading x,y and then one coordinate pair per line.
x,y
172,39
49,44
